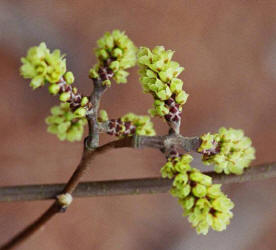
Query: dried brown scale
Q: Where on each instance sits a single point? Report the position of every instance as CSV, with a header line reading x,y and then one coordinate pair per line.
x,y
207,153
172,153
174,114
105,73
120,128
192,184
75,95
212,211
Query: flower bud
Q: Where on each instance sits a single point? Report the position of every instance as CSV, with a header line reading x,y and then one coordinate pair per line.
x,y
37,82
69,77
54,89
103,116
84,101
80,112
64,97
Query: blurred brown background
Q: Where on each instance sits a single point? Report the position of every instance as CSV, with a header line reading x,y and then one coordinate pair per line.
x,y
229,51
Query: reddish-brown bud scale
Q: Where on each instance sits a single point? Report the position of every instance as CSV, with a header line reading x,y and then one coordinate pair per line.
x,y
75,95
120,128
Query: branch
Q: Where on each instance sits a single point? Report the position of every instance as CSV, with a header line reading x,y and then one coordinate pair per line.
x,y
126,187
164,142
89,153
92,114
56,207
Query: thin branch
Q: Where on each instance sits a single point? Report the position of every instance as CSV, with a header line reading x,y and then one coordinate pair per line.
x,y
55,208
88,156
159,142
35,226
126,187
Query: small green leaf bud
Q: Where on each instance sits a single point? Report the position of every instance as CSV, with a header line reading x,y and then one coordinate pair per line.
x,y
176,85
201,178
54,89
37,82
187,203
64,97
93,74
69,77
182,192
103,54
199,190
222,203
121,76
107,83
80,112
115,65
103,116
63,127
214,191
109,41
84,101
117,52
182,97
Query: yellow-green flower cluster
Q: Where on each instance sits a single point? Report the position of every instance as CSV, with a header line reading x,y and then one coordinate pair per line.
x,y
115,53
229,150
142,123
203,202
159,77
42,66
66,124
129,125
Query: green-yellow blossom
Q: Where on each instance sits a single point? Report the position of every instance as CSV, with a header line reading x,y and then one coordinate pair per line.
x,y
67,125
203,202
142,123
115,53
41,66
159,77
228,150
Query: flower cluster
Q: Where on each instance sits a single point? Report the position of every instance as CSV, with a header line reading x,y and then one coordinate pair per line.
x,y
159,78
131,124
203,202
142,123
115,53
67,125
229,150
42,66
